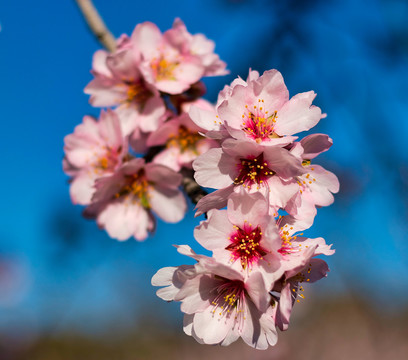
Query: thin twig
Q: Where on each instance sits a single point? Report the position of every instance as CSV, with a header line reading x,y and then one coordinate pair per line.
x,y
96,24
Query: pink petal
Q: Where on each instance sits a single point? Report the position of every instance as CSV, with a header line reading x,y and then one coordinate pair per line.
x,y
147,38
247,207
153,110
99,63
129,118
232,109
213,233
259,295
215,200
82,188
214,169
122,220
315,144
212,328
160,136
124,64
169,204
280,191
271,88
298,115
110,129
169,158
318,270
283,162
163,176
172,86
106,92
194,294
205,119
285,307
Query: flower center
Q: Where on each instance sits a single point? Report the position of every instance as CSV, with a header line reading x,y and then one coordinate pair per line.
x,y
296,280
163,69
136,187
108,161
259,123
253,171
245,245
185,140
137,93
229,297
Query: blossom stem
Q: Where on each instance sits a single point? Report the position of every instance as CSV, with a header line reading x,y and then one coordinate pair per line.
x,y
96,24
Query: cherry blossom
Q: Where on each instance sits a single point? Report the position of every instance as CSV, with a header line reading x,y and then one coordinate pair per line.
x,y
219,303
244,165
95,149
290,288
295,248
244,236
259,110
123,202
182,140
119,82
175,60
127,167
317,184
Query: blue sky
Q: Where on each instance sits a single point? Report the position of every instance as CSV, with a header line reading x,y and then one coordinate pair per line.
x,y
352,54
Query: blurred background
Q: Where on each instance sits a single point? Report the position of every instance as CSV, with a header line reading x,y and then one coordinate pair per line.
x,y
68,291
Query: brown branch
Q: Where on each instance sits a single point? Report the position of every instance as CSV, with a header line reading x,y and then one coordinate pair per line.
x,y
96,24
194,191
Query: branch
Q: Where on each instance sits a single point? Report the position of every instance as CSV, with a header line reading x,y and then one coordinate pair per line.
x,y
96,24
194,191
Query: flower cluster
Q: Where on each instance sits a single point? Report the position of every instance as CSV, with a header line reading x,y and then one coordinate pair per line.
x,y
127,166
124,166
265,178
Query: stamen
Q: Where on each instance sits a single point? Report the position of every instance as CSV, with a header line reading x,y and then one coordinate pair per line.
x,y
250,172
185,140
258,125
163,69
245,245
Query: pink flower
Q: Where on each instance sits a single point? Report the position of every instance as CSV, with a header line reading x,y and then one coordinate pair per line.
x,y
118,82
196,45
290,288
244,236
219,303
182,140
175,60
316,185
95,149
245,165
259,110
123,203
295,249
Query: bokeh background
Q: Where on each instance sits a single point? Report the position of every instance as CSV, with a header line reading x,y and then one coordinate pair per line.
x,y
68,291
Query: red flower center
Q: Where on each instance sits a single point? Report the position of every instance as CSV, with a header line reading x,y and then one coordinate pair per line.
x,y
245,245
229,297
138,93
258,123
254,170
